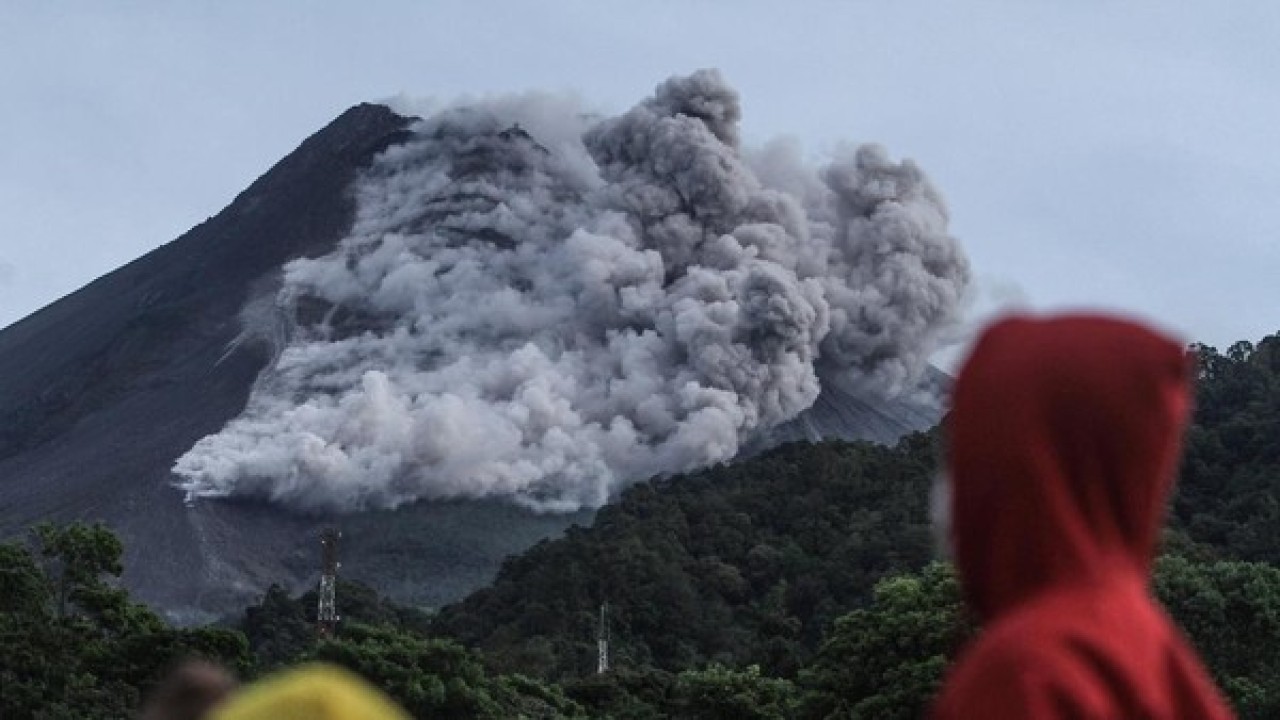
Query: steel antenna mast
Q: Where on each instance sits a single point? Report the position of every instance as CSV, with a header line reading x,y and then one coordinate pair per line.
x,y
602,641
327,612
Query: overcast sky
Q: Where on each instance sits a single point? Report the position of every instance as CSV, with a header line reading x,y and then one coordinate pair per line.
x,y
1119,155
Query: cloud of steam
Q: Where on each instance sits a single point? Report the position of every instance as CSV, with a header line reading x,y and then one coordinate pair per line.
x,y
543,305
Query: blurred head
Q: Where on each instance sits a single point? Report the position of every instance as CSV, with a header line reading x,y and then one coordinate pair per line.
x,y
188,692
1063,439
310,692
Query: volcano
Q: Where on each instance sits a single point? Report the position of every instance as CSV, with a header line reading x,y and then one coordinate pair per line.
x,y
119,402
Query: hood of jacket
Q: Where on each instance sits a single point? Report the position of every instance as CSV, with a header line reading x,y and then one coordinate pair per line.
x,y
1064,437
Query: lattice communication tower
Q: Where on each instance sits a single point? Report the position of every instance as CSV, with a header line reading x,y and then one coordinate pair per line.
x,y
602,641
327,612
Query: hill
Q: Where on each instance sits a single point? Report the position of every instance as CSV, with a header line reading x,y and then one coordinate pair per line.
x,y
751,564
1230,479
742,564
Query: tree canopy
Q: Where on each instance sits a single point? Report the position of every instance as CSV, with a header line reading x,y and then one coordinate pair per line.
x,y
72,643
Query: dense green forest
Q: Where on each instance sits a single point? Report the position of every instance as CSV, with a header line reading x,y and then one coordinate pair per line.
x,y
795,584
739,565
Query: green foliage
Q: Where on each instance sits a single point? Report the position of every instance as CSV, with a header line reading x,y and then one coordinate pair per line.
x,y
737,565
388,644
281,629
710,693
439,678
76,558
887,660
1231,612
24,591
1228,508
72,644
720,693
1229,491
625,694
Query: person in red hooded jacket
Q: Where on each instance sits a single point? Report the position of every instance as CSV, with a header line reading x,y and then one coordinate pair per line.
x,y
1064,438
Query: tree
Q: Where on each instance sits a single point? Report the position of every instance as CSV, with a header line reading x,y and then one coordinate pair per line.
x,y
439,678
72,644
720,693
1231,612
1226,498
280,629
737,565
887,660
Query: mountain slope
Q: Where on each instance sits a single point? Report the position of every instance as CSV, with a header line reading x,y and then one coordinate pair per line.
x,y
101,392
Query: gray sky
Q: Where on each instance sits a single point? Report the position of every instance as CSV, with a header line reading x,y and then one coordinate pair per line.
x,y
1092,154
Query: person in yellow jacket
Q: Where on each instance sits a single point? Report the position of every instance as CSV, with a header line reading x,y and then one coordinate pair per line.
x,y
312,692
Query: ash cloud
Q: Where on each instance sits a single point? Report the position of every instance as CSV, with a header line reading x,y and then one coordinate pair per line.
x,y
540,304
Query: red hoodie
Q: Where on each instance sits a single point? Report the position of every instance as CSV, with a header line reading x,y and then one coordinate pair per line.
x,y
1065,435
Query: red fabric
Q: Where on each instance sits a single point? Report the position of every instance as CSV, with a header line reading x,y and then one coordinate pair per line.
x,y
1064,437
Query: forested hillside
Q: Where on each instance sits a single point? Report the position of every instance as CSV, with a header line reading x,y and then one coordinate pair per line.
x,y
795,584
1229,492
750,564
746,564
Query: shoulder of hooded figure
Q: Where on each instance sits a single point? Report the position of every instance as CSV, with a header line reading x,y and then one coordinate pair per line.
x,y
1016,681
1062,667
311,692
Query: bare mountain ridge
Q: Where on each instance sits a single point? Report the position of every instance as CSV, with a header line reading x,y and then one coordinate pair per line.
x,y
102,390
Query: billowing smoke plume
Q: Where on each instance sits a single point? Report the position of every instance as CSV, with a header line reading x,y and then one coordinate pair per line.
x,y
538,304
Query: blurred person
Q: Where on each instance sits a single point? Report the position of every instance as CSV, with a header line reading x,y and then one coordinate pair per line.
x,y
311,692
189,692
1064,438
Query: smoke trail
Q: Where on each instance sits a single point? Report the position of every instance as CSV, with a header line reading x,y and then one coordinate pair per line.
x,y
538,304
